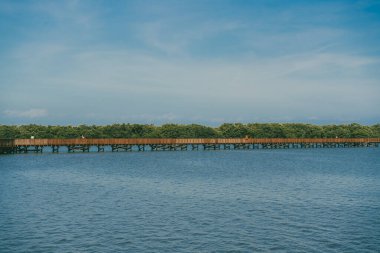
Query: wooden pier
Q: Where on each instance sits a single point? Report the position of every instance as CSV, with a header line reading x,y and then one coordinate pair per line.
x,y
14,146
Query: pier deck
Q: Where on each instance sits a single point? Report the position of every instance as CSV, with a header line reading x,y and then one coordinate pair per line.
x,y
9,146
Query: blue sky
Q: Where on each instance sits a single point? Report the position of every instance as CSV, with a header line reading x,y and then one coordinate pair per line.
x,y
207,62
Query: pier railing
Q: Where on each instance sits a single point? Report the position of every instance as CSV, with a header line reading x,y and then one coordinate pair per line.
x,y
147,141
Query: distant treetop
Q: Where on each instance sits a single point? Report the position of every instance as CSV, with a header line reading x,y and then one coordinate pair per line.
x,y
227,130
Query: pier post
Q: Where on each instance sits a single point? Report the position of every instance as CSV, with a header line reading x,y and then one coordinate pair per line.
x,y
55,149
194,147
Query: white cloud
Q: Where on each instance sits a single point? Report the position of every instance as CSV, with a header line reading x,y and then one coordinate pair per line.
x,y
31,113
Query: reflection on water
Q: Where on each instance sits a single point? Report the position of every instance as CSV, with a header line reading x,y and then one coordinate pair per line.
x,y
277,200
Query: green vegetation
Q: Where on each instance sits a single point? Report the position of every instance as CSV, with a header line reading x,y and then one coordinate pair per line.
x,y
235,130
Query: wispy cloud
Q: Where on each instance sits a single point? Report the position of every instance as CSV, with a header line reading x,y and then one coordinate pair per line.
x,y
169,37
72,11
31,113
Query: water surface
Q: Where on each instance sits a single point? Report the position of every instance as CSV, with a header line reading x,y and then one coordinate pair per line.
x,y
316,200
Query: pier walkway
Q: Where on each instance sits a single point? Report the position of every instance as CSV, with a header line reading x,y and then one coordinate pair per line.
x,y
11,146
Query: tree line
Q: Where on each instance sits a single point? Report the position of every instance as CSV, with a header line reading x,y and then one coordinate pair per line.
x,y
227,130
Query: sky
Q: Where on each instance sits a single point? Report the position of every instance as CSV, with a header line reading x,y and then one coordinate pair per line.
x,y
204,62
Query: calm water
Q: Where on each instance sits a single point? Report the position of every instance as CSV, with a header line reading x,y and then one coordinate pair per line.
x,y
317,200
